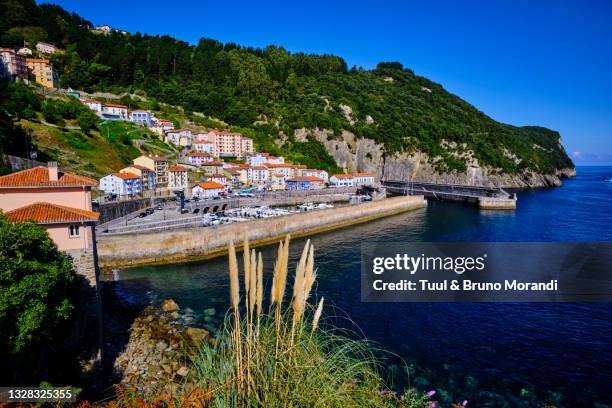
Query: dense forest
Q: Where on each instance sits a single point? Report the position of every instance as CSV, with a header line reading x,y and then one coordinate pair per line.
x,y
271,90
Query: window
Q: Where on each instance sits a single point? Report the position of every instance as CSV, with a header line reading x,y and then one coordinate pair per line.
x,y
74,231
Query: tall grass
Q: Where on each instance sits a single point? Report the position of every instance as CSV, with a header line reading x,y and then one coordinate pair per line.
x,y
281,357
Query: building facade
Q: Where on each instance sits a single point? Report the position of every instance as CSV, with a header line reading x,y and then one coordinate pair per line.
x,y
45,48
147,175
304,183
199,158
159,165
207,189
114,111
42,72
177,177
142,117
363,178
342,180
122,184
14,65
58,201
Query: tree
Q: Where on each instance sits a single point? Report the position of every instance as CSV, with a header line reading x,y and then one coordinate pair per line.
x,y
87,120
37,288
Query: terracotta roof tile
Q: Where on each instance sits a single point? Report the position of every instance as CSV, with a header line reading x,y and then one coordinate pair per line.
x,y
126,176
209,185
39,177
306,178
363,174
47,213
177,168
343,176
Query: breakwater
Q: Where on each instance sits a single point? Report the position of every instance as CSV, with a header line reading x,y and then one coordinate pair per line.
x,y
189,244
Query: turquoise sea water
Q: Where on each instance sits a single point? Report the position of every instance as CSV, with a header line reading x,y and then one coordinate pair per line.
x,y
497,355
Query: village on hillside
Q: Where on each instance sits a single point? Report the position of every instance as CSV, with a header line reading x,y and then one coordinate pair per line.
x,y
227,162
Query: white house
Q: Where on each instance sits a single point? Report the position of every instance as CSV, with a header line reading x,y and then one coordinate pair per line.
x,y
114,111
342,180
199,158
259,174
322,174
177,177
284,168
123,184
25,51
258,159
103,28
92,104
142,117
363,178
219,179
178,137
203,146
207,189
45,48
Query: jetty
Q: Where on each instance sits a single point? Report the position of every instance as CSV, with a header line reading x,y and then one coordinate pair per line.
x,y
486,198
189,244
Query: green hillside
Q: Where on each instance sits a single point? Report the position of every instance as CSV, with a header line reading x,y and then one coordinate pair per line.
x,y
267,92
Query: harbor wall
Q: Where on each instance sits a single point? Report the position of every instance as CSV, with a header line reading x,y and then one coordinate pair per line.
x,y
165,247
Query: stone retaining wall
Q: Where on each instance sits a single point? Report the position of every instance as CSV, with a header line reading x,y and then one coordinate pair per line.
x,y
201,243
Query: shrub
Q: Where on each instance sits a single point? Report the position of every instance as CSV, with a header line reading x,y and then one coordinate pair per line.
x,y
37,288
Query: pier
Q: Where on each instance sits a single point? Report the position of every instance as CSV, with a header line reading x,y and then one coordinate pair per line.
x,y
486,198
190,244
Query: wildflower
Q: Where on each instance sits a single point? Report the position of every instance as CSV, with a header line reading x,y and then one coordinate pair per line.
x,y
431,393
464,403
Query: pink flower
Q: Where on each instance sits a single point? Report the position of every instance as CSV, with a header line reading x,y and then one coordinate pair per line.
x,y
431,393
464,403
433,405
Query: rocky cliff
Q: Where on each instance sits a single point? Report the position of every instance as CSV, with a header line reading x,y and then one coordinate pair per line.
x,y
355,154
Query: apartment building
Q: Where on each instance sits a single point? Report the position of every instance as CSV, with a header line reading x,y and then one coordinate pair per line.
x,y
45,48
142,117
13,65
122,184
177,177
199,158
42,72
146,174
159,165
114,111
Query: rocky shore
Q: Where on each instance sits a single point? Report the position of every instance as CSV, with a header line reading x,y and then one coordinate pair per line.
x,y
352,153
155,359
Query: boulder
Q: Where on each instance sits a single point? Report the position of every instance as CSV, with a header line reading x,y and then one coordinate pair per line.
x,y
197,335
169,306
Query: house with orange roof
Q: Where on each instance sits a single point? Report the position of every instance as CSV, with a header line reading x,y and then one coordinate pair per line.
x,y
199,158
207,189
58,201
177,177
122,184
92,104
363,178
42,72
146,174
342,180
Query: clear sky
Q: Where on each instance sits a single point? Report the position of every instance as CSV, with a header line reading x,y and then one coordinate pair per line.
x,y
542,62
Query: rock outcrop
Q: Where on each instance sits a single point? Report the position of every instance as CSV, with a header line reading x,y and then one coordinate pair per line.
x,y
355,154
155,359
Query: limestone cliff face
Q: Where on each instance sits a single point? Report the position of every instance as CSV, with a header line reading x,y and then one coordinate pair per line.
x,y
359,154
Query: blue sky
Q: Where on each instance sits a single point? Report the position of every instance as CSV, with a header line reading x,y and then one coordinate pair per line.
x,y
522,62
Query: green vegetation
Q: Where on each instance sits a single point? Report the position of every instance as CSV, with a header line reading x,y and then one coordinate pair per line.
x,y
271,91
37,290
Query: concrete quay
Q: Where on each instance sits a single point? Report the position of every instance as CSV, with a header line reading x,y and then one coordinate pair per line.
x,y
190,244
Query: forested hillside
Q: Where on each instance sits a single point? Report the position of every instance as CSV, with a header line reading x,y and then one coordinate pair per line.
x,y
273,92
